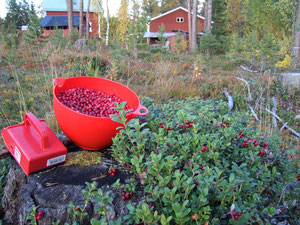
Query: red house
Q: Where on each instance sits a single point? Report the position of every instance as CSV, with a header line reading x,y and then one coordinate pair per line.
x,y
175,20
56,13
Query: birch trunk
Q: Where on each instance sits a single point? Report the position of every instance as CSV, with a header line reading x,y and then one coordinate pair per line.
x,y
296,42
194,26
190,24
88,20
107,27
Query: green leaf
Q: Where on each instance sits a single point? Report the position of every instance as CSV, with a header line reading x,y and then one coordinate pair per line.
x,y
94,221
231,177
164,220
271,210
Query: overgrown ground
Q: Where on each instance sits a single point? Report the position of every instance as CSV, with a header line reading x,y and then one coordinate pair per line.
x,y
27,73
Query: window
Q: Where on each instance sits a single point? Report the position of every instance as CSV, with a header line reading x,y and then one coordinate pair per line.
x,y
179,19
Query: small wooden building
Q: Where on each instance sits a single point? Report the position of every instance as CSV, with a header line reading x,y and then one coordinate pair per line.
x,y
56,10
175,20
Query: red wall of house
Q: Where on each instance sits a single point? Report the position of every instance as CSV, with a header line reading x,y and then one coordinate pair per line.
x,y
93,20
170,23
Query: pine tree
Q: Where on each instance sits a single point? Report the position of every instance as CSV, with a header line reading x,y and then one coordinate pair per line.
x,y
18,13
33,35
123,20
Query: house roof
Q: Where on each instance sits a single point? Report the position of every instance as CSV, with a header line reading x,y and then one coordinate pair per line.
x,y
157,34
52,21
173,10
61,5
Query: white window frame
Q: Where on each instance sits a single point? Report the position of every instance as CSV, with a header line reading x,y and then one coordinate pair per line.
x,y
179,19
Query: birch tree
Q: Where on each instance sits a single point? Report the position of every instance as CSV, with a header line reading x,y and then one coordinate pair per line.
x,y
107,26
190,24
296,42
194,27
123,19
88,20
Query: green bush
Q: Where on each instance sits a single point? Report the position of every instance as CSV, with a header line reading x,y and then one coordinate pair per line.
x,y
200,163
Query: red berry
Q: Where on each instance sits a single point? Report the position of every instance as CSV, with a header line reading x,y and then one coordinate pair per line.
x,y
181,126
40,213
90,102
38,217
278,162
123,198
130,193
78,209
204,148
196,183
113,170
241,134
112,174
255,143
265,145
298,178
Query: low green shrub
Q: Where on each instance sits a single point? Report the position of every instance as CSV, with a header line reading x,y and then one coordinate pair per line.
x,y
199,163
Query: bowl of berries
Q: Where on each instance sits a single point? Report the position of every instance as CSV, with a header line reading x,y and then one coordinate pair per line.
x,y
83,105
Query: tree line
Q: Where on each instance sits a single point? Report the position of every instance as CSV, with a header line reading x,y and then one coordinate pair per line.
x,y
268,20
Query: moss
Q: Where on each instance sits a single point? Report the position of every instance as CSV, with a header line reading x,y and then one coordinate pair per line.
x,y
84,158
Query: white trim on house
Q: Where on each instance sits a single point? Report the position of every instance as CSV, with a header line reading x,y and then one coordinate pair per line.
x,y
173,10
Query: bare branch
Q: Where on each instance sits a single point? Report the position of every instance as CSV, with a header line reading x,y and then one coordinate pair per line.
x,y
247,69
284,126
230,99
248,86
274,111
254,113
281,120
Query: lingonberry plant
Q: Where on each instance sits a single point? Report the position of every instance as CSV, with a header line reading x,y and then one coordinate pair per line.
x,y
197,160
34,216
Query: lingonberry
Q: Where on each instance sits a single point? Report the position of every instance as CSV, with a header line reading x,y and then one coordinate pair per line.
x,y
241,134
261,153
265,145
162,125
181,126
168,129
38,217
204,149
278,162
255,142
90,102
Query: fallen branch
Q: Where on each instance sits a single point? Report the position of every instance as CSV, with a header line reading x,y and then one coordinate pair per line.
x,y
230,99
248,86
284,126
274,111
281,120
247,69
254,113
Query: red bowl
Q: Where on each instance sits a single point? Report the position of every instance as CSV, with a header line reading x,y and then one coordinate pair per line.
x,y
90,132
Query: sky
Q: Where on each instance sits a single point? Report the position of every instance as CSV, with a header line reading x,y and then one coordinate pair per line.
x,y
113,6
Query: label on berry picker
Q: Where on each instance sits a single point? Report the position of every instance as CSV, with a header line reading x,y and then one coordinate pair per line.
x,y
17,154
56,160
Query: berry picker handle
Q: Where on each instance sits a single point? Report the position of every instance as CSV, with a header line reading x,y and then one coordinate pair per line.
x,y
59,81
138,112
39,127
